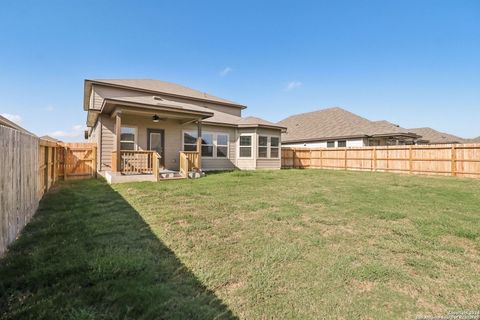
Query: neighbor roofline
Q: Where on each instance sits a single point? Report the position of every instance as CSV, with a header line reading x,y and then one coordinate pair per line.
x,y
411,135
89,83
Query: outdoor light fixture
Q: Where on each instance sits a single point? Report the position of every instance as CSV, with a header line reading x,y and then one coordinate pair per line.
x,y
155,118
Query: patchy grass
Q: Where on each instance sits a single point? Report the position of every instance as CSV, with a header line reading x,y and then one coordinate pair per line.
x,y
293,244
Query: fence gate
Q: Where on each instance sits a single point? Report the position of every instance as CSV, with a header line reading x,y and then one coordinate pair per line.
x,y
79,160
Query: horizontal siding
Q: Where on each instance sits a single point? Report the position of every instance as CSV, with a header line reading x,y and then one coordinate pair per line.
x,y
107,141
269,163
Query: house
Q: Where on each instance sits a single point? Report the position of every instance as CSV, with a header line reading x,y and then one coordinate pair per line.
x,y
134,122
474,140
8,123
432,136
337,127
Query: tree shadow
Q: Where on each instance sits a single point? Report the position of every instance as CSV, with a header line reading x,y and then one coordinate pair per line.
x,y
88,254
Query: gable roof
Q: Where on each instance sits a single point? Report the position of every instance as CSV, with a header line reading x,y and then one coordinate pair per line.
x,y
168,88
336,123
437,137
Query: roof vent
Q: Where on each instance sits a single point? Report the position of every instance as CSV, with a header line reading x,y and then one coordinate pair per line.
x,y
157,98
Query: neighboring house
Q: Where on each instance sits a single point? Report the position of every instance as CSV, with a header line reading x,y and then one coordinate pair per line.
x,y
432,136
46,137
337,127
130,118
8,123
474,140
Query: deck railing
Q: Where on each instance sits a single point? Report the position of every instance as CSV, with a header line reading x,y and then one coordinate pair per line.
x,y
136,162
189,161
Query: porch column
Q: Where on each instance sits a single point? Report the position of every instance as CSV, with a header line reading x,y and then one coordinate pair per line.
x,y
199,143
118,125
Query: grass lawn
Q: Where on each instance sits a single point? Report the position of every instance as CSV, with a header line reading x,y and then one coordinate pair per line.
x,y
292,244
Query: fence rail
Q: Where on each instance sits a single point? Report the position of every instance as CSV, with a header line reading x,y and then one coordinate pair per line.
x,y
29,166
452,159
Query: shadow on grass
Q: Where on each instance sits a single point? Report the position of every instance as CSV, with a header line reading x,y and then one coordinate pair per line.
x,y
88,254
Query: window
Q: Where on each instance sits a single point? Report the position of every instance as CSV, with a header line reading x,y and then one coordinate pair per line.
x,y
128,138
342,143
330,144
222,145
274,147
245,146
213,144
207,145
262,146
189,141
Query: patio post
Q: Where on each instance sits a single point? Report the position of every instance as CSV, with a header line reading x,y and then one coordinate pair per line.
x,y
199,144
118,125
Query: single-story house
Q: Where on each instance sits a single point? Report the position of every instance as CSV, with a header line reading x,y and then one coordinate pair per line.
x,y
474,140
8,123
432,136
337,127
137,122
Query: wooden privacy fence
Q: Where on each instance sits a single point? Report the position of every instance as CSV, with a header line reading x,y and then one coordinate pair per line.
x,y
450,159
29,166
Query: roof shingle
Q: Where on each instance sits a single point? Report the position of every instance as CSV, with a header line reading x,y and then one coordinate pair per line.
x,y
335,123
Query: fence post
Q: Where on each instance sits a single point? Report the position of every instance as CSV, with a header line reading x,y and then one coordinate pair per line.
x,y
94,161
374,158
310,158
293,158
345,160
454,162
410,160
65,156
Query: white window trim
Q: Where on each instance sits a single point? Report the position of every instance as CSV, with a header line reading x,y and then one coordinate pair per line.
x,y
259,146
269,147
251,146
214,143
135,143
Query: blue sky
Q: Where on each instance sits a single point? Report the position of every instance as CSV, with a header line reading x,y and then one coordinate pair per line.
x,y
415,63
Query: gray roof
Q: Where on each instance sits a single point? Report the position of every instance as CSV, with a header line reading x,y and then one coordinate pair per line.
x,y
166,88
47,137
8,123
211,115
336,123
437,137
154,101
474,140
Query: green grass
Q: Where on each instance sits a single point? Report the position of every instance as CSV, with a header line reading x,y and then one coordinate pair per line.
x,y
292,244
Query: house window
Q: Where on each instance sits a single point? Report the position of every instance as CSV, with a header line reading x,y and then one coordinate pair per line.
x,y
128,138
330,144
189,141
222,145
274,147
207,145
213,144
262,147
245,146
342,143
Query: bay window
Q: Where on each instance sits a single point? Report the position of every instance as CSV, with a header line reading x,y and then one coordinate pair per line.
x,y
274,147
245,146
262,146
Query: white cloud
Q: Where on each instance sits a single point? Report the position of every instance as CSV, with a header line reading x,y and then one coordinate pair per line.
x,y
225,71
293,85
74,132
12,117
